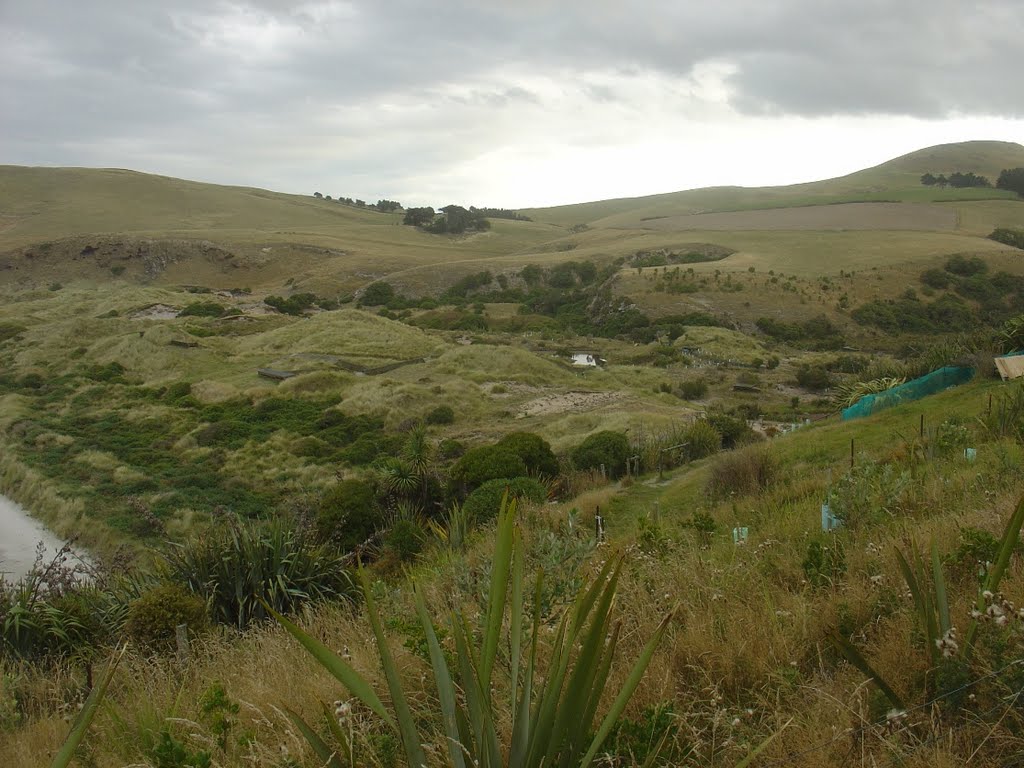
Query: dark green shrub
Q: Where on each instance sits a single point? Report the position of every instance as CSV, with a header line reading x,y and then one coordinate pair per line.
x,y
1013,237
377,294
694,389
733,430
482,504
935,278
813,377
746,470
155,614
442,414
608,448
965,266
533,450
405,538
478,465
450,449
348,514
298,303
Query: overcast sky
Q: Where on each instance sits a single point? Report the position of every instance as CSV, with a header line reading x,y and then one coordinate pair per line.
x,y
512,103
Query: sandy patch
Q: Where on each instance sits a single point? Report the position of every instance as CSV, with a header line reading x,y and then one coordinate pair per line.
x,y
156,312
568,402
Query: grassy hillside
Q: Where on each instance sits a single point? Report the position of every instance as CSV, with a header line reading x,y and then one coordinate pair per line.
x,y
897,179
58,224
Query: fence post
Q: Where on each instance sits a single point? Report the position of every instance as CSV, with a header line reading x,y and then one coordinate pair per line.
x,y
181,638
851,453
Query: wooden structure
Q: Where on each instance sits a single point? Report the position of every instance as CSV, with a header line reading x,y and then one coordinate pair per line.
x,y
1010,366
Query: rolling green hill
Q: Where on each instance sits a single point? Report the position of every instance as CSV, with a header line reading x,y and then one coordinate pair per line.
x,y
895,180
65,224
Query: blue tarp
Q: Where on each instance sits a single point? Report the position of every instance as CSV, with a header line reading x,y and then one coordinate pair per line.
x,y
936,381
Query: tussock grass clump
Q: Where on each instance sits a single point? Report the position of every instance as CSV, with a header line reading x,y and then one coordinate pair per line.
x,y
741,472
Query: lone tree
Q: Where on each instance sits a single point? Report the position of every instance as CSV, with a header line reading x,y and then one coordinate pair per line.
x,y
1012,179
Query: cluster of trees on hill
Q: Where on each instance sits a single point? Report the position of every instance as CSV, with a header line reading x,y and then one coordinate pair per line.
x,y
955,179
1012,179
452,219
1009,178
384,206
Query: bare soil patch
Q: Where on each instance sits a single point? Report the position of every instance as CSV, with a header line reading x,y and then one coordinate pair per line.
x,y
569,401
155,312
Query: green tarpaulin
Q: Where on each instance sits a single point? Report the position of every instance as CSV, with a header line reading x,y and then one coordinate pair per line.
x,y
936,381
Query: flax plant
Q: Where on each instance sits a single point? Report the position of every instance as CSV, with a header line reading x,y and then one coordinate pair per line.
x,y
552,718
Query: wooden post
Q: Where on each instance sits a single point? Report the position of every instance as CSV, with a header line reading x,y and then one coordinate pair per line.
x,y
851,453
921,428
604,475
598,526
181,637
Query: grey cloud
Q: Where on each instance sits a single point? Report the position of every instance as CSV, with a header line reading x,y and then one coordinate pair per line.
x,y
80,82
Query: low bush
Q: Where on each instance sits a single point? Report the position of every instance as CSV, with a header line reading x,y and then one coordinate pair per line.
x,y
534,450
482,505
155,614
935,278
607,448
443,414
693,389
489,462
348,514
965,266
747,470
813,377
1013,237
732,429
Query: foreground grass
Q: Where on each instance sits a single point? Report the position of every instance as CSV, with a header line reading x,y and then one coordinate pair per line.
x,y
747,649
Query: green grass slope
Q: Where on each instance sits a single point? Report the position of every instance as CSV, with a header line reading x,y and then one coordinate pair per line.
x,y
895,180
